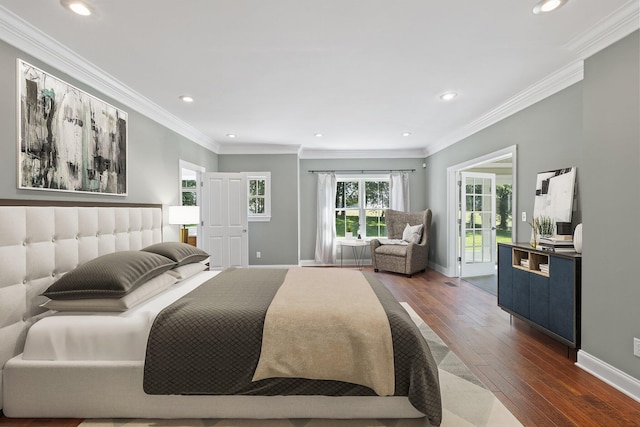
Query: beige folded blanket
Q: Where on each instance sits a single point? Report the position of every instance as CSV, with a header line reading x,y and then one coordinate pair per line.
x,y
328,324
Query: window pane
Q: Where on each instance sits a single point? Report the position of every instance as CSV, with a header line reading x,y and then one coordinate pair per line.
x,y
340,224
353,221
256,205
376,226
347,194
260,185
253,187
189,198
376,194
340,195
188,183
351,194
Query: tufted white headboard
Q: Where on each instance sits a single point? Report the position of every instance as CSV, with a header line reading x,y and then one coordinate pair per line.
x,y
38,244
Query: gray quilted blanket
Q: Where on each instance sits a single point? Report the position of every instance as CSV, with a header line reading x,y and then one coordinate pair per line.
x,y
209,341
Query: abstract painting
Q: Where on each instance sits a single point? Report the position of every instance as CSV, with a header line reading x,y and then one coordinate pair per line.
x,y
555,194
68,140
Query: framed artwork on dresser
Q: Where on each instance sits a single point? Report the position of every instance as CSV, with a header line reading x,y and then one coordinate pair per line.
x,y
68,140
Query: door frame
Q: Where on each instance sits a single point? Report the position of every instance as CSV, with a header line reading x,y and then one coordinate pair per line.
x,y
199,170
453,229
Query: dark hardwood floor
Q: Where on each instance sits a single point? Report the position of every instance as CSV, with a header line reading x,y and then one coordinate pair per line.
x,y
529,372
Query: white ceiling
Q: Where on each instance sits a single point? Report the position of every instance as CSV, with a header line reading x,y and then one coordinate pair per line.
x,y
361,72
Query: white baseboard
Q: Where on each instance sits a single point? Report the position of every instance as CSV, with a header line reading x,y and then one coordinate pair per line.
x,y
347,262
440,269
609,374
271,266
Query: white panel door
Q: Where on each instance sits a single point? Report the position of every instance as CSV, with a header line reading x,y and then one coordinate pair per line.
x,y
224,219
478,224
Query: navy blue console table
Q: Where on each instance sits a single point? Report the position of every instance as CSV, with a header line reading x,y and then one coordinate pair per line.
x,y
542,288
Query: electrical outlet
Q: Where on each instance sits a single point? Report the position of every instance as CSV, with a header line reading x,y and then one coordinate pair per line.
x,y
258,254
524,217
636,347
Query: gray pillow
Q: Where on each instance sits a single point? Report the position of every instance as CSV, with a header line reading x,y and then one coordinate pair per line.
x,y
109,276
148,289
181,253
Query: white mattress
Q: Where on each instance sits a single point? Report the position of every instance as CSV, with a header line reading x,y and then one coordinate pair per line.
x,y
103,336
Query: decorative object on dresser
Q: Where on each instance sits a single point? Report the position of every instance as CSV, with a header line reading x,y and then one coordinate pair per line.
x,y
184,215
68,140
577,238
542,288
397,254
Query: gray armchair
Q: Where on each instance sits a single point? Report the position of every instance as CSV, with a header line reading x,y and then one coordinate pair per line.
x,y
405,259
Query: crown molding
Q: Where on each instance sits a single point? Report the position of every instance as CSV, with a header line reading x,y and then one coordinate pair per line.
x,y
544,88
614,27
29,39
229,148
362,154
609,30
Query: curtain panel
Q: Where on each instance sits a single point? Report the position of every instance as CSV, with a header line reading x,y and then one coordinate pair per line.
x,y
399,191
325,217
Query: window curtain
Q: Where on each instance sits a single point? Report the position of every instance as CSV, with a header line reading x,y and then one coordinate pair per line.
x,y
326,209
399,191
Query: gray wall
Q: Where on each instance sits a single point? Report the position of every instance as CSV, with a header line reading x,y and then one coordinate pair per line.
x,y
548,136
154,151
593,125
611,202
277,240
308,191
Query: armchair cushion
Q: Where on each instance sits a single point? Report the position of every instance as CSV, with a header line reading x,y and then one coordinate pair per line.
x,y
395,250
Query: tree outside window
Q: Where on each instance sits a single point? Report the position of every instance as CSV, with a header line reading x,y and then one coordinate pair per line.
x,y
259,196
256,196
362,201
189,189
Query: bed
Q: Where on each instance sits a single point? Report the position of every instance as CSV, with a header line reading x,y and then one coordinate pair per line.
x,y
43,378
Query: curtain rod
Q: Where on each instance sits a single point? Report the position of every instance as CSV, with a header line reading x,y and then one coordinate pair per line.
x,y
362,170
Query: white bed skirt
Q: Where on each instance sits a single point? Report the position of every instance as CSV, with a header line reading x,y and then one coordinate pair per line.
x,y
72,389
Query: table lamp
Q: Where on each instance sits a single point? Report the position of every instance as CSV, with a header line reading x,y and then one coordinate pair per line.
x,y
184,215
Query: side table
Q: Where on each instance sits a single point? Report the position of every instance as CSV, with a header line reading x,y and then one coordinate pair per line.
x,y
358,247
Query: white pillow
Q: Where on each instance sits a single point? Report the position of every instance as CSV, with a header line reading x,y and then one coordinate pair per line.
x,y
185,271
138,295
412,234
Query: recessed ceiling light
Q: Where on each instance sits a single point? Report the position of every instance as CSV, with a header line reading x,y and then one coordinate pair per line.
x,y
231,135
318,135
547,6
186,98
77,7
406,134
448,96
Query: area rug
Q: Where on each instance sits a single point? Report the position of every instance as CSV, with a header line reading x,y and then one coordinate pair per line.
x,y
466,402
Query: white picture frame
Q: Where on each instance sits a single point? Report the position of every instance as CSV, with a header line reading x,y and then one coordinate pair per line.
x,y
68,140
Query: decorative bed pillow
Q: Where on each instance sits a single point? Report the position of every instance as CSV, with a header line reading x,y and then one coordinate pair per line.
x,y
412,234
140,294
185,271
109,276
181,253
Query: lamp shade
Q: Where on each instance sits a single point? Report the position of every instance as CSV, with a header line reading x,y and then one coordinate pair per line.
x,y
184,215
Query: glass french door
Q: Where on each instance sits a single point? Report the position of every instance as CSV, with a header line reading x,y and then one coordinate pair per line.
x,y
477,224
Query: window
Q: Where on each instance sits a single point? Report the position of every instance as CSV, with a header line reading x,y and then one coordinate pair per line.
x,y
259,196
360,204
189,192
